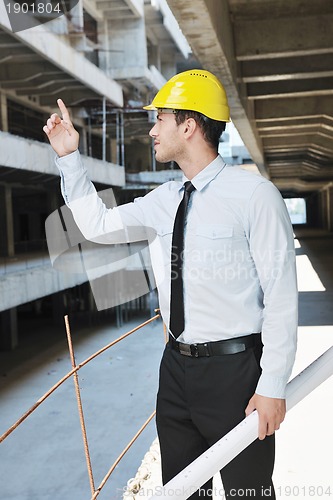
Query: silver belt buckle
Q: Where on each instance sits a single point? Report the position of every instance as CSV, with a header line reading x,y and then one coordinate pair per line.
x,y
185,349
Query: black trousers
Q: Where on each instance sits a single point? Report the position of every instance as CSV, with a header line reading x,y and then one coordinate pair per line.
x,y
198,402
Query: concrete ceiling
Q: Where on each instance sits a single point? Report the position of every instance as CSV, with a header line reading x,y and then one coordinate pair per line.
x,y
26,73
120,9
275,58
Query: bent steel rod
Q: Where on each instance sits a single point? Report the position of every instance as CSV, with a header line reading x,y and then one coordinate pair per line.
x,y
125,450
79,405
69,374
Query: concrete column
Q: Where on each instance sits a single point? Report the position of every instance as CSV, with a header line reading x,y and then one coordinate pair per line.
x,y
3,112
53,201
154,56
325,208
8,330
128,45
169,67
76,15
34,226
330,208
58,308
103,40
6,222
84,142
114,156
91,301
76,10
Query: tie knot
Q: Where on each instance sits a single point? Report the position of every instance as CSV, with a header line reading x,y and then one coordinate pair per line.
x,y
189,187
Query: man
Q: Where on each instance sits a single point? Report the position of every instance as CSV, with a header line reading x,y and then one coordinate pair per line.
x,y
230,282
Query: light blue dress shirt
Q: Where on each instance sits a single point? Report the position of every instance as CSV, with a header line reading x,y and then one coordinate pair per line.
x,y
239,257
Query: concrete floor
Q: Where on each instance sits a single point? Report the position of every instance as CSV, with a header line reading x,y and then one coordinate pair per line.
x,y
304,443
44,458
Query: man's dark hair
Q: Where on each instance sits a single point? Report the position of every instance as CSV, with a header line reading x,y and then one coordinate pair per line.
x,y
211,129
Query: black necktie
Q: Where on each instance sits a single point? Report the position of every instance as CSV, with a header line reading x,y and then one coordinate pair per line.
x,y
177,321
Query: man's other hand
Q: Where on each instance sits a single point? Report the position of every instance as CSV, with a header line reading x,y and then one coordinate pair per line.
x,y
271,413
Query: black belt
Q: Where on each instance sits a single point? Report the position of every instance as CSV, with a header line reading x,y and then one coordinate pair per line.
x,y
218,348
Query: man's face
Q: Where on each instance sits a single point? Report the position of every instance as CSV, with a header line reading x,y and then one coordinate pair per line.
x,y
167,138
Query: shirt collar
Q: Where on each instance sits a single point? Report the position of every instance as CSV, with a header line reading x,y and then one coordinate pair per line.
x,y
207,174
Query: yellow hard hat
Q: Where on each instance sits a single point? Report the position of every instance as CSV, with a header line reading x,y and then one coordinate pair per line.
x,y
194,90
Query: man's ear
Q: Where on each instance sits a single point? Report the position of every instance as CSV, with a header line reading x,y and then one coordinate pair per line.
x,y
190,126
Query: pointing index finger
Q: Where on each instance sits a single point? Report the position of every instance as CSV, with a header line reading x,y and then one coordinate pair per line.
x,y
64,110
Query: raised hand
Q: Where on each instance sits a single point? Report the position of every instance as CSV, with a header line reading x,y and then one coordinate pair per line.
x,y
61,133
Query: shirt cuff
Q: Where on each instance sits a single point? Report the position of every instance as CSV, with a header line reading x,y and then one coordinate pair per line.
x,y
271,387
70,163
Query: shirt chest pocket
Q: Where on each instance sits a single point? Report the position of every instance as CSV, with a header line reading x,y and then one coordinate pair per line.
x,y
164,230
214,242
164,234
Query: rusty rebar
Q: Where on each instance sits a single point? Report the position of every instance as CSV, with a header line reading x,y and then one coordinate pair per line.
x,y
125,450
79,405
69,374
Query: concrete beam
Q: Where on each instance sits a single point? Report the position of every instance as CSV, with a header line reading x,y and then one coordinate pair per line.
x,y
140,76
318,141
25,154
282,36
10,72
136,6
286,68
292,131
25,280
49,47
159,15
298,185
302,123
127,9
291,88
302,169
33,281
119,8
18,54
54,88
154,178
69,96
29,88
283,108
208,28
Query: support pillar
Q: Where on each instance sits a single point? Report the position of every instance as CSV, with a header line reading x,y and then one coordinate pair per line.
x,y
8,330
3,112
58,308
53,201
84,141
7,248
330,208
127,45
114,156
